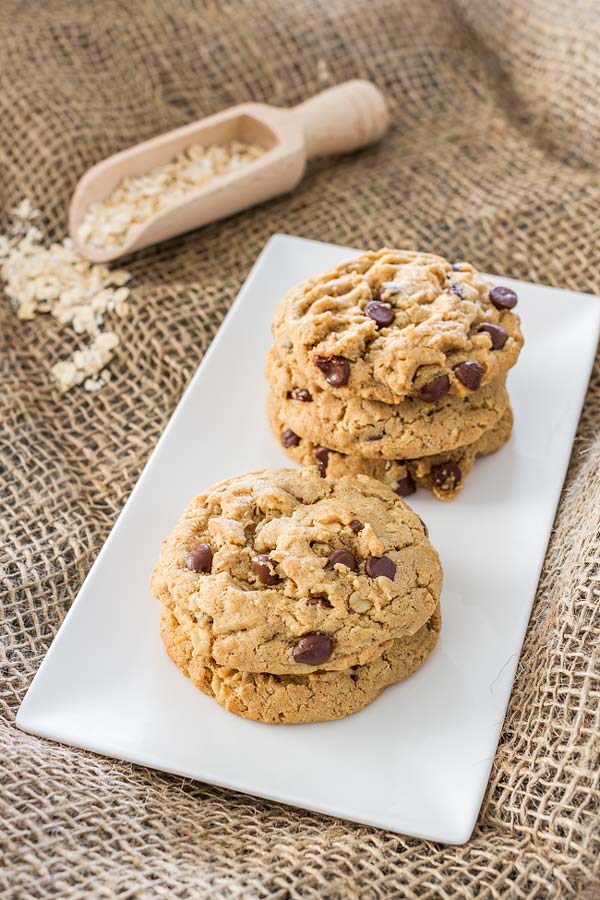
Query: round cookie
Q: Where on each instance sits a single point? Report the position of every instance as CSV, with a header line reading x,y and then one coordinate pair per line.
x,y
287,572
443,474
288,699
370,428
392,324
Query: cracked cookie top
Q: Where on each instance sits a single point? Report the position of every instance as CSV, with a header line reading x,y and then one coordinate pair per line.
x,y
392,324
287,572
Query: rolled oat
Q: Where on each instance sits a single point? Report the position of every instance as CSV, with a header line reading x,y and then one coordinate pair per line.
x,y
141,197
56,280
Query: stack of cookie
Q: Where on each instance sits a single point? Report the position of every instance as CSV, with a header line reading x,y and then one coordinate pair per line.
x,y
394,365
294,598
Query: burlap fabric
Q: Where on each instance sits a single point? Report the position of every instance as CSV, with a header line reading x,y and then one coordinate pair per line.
x,y
494,157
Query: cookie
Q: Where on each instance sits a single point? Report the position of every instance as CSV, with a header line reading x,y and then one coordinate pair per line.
x,y
281,699
443,474
359,427
393,324
289,573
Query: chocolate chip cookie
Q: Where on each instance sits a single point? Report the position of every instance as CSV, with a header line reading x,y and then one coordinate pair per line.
x,y
281,699
443,473
289,573
392,324
369,428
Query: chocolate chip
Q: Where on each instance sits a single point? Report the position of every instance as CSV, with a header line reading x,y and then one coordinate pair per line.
x,y
503,297
435,390
303,395
290,438
470,374
425,528
200,558
374,437
356,526
405,486
380,565
381,313
322,457
335,368
446,476
319,601
313,649
264,567
498,335
342,557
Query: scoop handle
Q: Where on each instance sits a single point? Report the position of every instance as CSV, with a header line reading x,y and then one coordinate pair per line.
x,y
342,118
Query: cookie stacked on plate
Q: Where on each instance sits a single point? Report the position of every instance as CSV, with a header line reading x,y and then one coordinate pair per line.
x,y
289,597
394,365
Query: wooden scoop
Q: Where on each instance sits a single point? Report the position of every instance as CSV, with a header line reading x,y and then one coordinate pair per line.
x,y
338,120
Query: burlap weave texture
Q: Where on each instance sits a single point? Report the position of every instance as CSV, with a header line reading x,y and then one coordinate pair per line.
x,y
494,157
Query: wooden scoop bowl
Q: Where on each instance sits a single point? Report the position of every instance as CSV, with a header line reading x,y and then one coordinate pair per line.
x,y
338,120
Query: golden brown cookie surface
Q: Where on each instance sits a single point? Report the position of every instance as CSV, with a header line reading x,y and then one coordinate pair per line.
x,y
318,696
369,428
443,473
286,572
392,324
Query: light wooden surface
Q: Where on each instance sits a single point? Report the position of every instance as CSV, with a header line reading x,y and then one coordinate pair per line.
x,y
339,120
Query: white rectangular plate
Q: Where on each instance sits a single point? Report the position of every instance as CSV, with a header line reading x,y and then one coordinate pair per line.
x,y
418,759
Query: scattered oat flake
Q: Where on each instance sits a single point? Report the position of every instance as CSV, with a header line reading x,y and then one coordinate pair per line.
x,y
323,73
93,384
140,197
87,364
25,210
55,280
